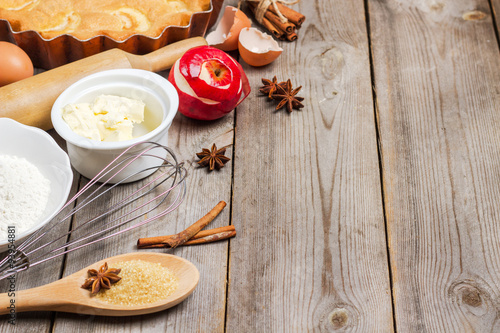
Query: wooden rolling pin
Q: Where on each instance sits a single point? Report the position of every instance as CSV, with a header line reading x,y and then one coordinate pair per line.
x,y
30,101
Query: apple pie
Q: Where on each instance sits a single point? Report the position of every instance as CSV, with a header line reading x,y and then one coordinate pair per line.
x,y
85,19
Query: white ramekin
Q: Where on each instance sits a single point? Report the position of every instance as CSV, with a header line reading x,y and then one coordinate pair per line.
x,y
88,156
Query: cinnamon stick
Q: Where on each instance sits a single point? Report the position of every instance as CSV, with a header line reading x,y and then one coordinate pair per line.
x,y
291,37
144,242
212,238
183,236
292,15
211,232
278,33
287,27
204,236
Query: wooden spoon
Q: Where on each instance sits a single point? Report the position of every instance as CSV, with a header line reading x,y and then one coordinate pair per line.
x,y
65,295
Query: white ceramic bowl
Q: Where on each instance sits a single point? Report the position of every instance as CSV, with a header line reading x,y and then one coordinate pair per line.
x,y
88,156
40,149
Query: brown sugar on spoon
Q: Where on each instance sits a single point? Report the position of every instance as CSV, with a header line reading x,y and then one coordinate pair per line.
x,y
143,282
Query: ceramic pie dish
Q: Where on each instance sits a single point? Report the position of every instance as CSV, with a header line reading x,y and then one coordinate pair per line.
x,y
50,53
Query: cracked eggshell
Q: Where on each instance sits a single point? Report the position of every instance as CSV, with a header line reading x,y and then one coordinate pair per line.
x,y
257,48
225,36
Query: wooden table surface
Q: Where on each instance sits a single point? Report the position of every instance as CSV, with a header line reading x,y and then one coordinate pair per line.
x,y
374,209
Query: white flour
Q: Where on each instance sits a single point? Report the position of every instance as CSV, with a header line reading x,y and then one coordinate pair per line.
x,y
24,193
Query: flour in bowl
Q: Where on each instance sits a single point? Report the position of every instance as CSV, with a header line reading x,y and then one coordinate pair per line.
x,y
24,193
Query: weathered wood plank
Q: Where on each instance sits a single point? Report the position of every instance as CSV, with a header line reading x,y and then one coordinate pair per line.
x,y
436,70
204,310
311,251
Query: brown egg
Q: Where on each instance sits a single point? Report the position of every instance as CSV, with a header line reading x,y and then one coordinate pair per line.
x,y
15,64
225,36
257,48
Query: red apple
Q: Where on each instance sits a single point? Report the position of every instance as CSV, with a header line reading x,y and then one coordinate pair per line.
x,y
209,82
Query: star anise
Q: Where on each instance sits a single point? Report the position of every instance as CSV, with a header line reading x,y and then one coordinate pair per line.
x,y
101,279
286,96
270,87
213,158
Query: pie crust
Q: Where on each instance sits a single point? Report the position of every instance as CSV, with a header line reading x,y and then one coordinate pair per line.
x,y
84,19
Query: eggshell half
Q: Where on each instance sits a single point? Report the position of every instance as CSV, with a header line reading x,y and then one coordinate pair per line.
x,y
257,48
225,36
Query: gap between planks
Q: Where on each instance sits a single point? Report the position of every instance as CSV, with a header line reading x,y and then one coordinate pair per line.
x,y
231,196
379,154
494,21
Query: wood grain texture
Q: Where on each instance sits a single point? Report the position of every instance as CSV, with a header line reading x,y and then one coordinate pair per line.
x,y
311,251
436,70
311,254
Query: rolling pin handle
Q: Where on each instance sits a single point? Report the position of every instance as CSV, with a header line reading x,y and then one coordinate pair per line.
x,y
165,57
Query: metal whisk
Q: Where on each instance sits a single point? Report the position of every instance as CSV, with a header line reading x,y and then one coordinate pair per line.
x,y
158,195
